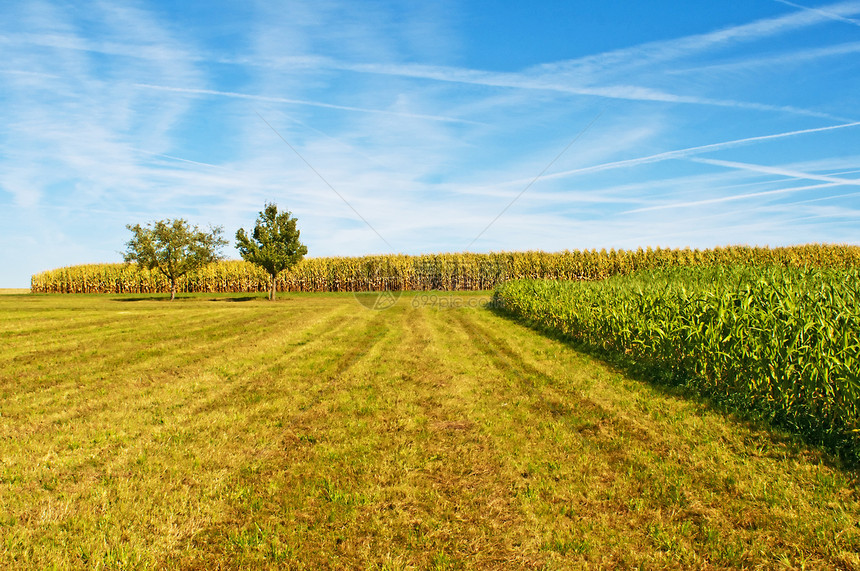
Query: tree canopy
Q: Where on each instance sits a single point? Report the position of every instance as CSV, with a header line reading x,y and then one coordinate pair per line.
x,y
274,244
173,247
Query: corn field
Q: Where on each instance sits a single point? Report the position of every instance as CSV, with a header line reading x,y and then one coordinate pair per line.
x,y
453,272
784,342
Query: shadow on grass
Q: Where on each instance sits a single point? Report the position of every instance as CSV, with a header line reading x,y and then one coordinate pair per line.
x,y
162,298
679,384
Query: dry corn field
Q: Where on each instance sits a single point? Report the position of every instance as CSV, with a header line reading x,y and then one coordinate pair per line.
x,y
452,272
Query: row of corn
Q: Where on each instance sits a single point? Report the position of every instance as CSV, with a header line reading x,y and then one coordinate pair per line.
x,y
429,272
782,341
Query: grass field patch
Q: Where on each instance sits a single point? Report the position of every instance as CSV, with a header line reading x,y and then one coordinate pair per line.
x,y
313,433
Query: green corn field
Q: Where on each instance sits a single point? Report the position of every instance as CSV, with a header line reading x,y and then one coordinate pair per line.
x,y
781,341
454,272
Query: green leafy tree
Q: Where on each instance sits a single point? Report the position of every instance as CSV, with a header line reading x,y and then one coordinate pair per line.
x,y
173,248
274,245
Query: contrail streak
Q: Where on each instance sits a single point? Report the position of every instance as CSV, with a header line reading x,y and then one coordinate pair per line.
x,y
302,102
730,198
684,153
822,12
778,171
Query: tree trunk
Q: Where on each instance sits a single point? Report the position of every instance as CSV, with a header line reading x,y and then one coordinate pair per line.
x,y
272,291
172,290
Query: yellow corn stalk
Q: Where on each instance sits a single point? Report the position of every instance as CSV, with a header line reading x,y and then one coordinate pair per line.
x,y
449,271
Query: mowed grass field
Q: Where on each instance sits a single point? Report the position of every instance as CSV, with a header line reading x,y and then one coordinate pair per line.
x,y
312,433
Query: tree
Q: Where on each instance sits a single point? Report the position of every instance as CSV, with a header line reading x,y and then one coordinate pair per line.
x,y
173,248
275,246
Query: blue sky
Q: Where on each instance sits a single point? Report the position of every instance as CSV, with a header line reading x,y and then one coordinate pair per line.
x,y
651,124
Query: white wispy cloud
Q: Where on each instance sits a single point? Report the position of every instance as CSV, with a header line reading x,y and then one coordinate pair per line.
x,y
562,84
598,75
606,75
623,61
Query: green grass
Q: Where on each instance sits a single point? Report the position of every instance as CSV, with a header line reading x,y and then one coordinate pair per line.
x,y
226,432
